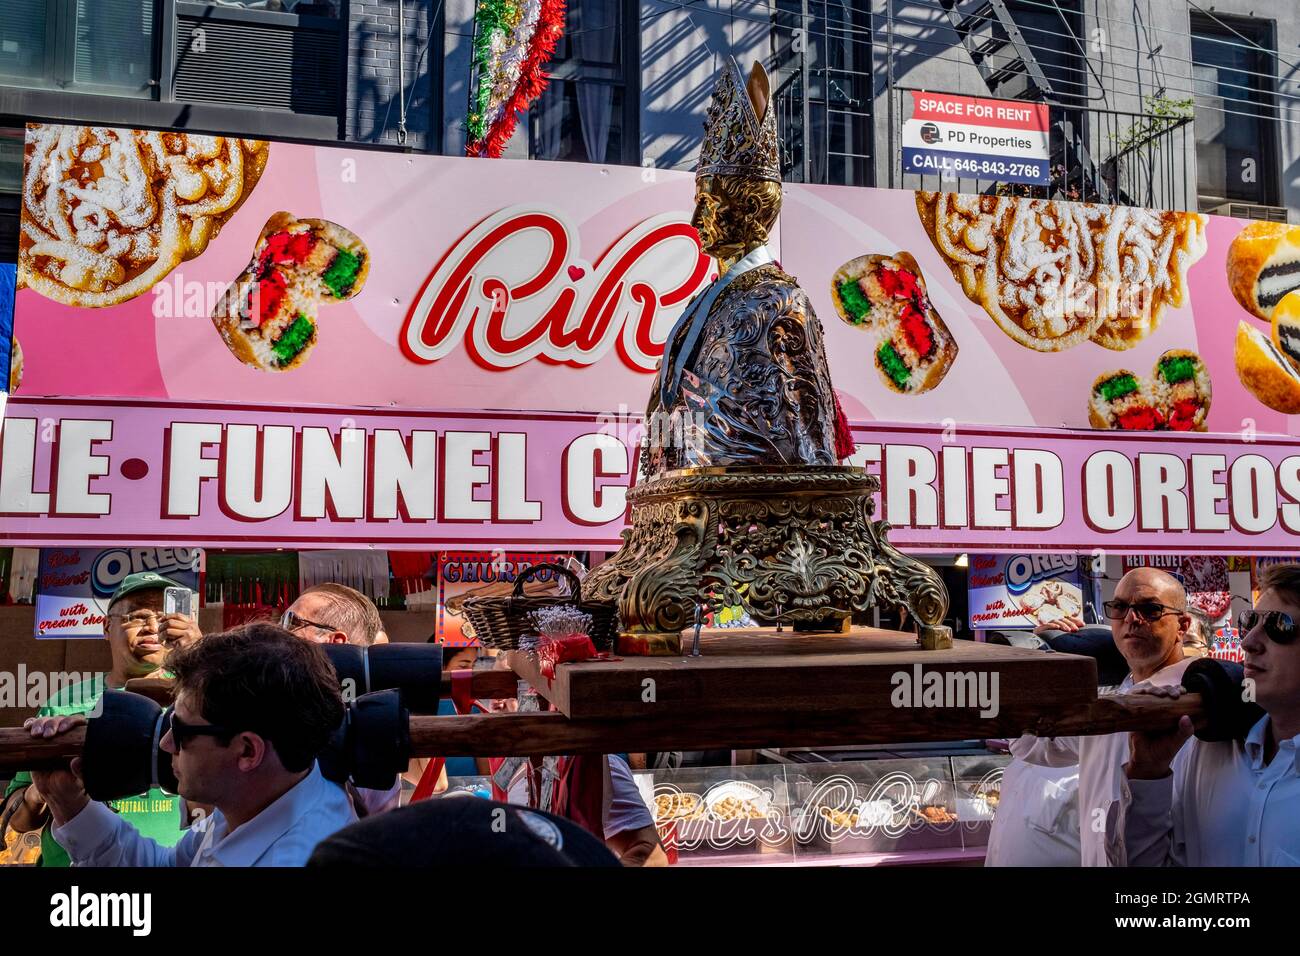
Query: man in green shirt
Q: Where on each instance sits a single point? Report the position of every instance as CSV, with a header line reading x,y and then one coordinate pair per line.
x,y
139,636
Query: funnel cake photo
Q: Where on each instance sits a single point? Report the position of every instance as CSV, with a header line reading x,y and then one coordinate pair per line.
x,y
267,317
1175,398
1049,601
886,295
1052,274
108,213
15,366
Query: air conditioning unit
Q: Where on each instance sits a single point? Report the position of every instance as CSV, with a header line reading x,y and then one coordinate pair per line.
x,y
1245,210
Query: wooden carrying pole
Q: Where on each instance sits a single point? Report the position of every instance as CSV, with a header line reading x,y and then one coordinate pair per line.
x,y
498,735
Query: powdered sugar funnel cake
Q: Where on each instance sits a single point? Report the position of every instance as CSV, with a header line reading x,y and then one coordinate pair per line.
x,y
108,213
1053,274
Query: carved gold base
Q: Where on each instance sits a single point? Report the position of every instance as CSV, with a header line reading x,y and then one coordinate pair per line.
x,y
793,545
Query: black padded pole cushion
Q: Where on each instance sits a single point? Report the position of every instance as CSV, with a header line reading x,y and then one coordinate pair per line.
x,y
117,760
1228,716
1095,641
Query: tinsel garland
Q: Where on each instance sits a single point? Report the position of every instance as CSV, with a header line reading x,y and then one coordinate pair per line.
x,y
513,40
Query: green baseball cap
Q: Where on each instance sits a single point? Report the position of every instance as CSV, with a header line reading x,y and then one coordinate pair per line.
x,y
142,581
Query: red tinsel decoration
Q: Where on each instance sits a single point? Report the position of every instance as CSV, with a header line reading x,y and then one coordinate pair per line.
x,y
532,80
843,436
552,651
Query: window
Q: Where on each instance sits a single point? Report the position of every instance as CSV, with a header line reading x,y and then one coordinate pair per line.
x,y
823,90
314,8
1052,35
588,111
1236,131
94,46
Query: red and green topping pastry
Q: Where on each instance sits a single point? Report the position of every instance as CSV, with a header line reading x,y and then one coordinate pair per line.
x,y
1118,386
917,331
1176,398
891,363
902,284
317,251
886,295
342,273
293,339
268,319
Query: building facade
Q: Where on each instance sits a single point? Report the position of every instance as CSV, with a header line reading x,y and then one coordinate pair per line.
x,y
1163,103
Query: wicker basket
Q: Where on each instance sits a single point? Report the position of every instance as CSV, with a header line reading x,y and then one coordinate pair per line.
x,y
500,622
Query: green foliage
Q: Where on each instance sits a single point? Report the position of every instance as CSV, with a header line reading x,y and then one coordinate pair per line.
x,y
1162,113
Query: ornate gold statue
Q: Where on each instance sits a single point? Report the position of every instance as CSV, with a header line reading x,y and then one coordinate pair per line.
x,y
745,501
744,379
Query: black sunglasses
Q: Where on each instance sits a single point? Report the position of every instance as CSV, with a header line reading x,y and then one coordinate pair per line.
x,y
1148,611
183,733
1278,625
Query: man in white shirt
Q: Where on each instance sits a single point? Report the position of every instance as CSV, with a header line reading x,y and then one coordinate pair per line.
x,y
1228,803
254,706
1149,620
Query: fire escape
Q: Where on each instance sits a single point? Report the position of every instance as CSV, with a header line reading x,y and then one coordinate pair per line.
x,y
1010,70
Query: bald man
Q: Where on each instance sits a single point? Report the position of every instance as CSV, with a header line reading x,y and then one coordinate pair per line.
x,y
1149,620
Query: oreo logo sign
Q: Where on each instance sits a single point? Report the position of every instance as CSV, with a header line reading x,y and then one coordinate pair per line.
x,y
111,567
1024,570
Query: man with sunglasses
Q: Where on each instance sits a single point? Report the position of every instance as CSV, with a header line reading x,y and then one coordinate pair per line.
x,y
1149,620
254,706
1228,803
139,636
332,613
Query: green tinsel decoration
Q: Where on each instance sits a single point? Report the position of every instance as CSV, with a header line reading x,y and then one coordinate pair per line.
x,y
490,18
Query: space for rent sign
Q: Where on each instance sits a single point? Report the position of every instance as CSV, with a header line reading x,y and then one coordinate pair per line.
x,y
977,138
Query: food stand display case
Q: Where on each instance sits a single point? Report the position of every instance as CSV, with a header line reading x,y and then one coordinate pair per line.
x,y
861,813
979,789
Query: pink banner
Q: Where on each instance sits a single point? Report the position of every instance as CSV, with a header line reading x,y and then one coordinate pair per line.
x,y
552,286
1049,367
218,475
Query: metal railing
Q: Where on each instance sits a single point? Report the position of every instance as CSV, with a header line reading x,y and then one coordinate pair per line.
x,y
1111,156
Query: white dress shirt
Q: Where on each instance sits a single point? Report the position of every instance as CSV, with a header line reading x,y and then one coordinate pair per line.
x,y
1037,817
1221,806
1101,760
283,834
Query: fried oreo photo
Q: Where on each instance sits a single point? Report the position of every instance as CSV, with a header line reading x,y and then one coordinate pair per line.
x,y
1264,266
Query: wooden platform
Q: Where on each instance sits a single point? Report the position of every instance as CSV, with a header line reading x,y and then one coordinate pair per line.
x,y
760,671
